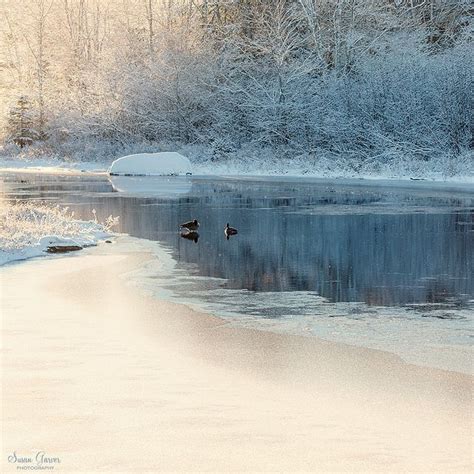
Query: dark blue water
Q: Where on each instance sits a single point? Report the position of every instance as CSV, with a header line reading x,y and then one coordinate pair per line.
x,y
344,242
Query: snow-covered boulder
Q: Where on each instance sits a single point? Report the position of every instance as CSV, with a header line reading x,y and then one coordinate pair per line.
x,y
55,244
151,164
56,241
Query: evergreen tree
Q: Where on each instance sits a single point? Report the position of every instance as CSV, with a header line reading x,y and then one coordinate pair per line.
x,y
21,123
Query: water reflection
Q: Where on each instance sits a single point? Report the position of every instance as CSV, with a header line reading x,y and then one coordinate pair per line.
x,y
160,186
190,235
344,243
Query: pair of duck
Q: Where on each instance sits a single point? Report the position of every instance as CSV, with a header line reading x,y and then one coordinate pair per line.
x,y
192,226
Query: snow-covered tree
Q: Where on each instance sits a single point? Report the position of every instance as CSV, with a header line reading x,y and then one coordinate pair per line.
x,y
21,123
354,81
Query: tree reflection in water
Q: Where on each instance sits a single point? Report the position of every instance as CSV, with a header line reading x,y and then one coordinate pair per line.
x,y
345,243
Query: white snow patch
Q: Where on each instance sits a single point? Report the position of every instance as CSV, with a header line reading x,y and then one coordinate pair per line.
x,y
151,164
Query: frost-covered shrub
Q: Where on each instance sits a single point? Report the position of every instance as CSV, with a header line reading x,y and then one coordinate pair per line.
x,y
23,224
366,86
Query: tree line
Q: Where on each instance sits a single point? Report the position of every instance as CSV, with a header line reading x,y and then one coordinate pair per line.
x,y
364,81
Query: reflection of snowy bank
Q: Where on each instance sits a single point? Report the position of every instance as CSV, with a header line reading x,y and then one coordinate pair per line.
x,y
151,186
430,335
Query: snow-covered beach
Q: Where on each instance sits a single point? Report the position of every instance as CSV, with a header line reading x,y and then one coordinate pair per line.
x,y
181,391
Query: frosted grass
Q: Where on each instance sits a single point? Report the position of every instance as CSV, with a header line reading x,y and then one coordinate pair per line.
x,y
27,228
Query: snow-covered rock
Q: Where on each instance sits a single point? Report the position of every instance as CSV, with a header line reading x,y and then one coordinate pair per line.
x,y
55,244
50,244
54,240
146,164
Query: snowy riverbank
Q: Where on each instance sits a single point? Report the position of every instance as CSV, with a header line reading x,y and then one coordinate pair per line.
x,y
297,167
28,229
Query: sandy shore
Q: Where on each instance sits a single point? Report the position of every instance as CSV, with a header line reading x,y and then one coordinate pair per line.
x,y
106,379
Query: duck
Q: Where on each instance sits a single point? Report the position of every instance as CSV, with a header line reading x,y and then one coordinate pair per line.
x,y
191,225
190,235
228,231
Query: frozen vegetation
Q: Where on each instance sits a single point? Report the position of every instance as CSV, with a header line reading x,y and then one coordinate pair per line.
x,y
317,87
27,229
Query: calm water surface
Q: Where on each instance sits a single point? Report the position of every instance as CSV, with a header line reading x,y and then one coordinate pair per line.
x,y
305,248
